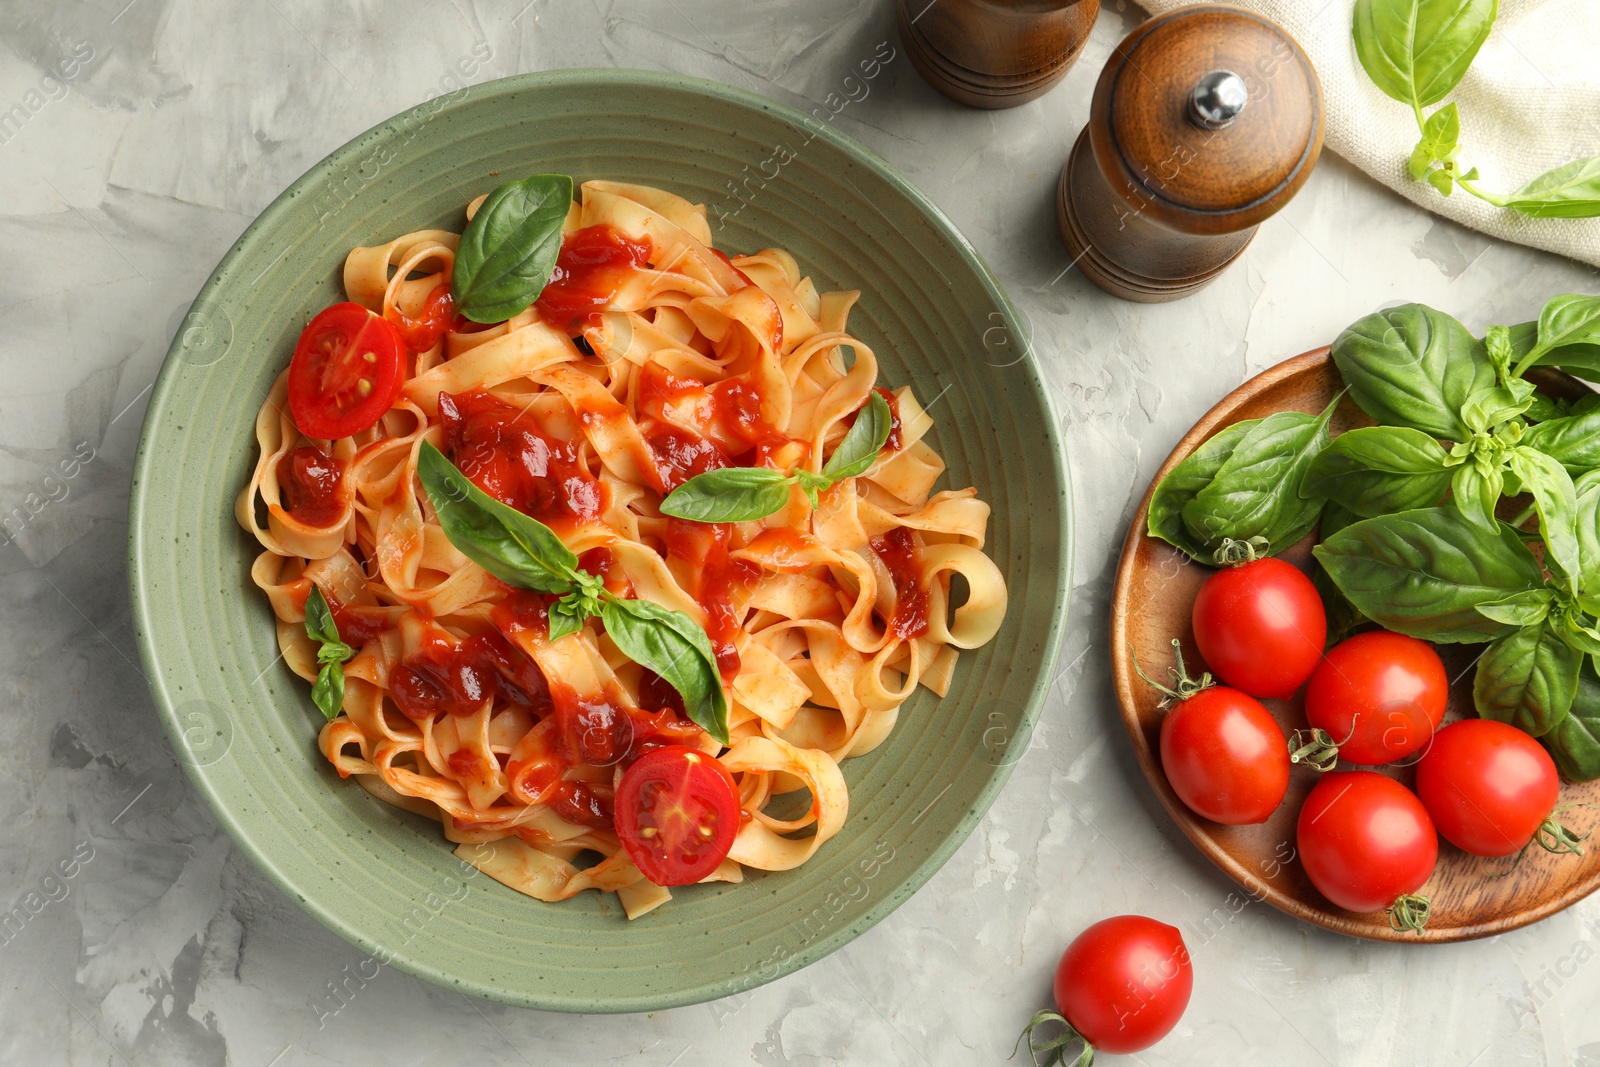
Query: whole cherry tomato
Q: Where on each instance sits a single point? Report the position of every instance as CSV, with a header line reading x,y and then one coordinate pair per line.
x,y
1490,788
1368,844
1223,753
1260,627
1379,695
1122,985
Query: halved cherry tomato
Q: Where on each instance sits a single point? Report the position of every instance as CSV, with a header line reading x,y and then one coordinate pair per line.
x,y
1380,695
1489,787
1368,844
423,332
1260,626
677,812
346,372
1225,756
1124,983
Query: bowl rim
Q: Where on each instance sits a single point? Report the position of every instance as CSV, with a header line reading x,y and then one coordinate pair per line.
x,y
210,292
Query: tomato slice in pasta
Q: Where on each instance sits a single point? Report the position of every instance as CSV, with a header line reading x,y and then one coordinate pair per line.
x,y
346,372
677,813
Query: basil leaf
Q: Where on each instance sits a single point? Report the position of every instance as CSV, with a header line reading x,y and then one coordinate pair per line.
x,y
319,617
1475,490
1256,491
1416,51
1557,502
513,547
510,247
1184,482
1570,191
566,616
1424,572
1343,618
1440,135
1572,440
1378,470
1413,366
1519,609
729,494
669,643
861,445
1574,742
1498,346
1586,521
328,691
1527,679
335,652
1568,320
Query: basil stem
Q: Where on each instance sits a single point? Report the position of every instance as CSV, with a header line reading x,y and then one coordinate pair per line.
x,y
742,494
328,690
524,552
510,247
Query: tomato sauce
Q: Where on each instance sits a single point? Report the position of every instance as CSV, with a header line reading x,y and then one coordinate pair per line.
x,y
712,580
497,446
457,679
593,264
899,554
312,484
423,332
356,624
737,403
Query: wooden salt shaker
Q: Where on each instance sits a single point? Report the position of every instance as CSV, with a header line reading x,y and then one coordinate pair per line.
x,y
1204,123
994,53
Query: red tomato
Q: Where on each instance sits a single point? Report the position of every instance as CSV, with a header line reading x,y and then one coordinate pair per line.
x,y
424,331
1124,982
346,372
1260,627
1366,842
1380,695
1225,756
677,812
1488,786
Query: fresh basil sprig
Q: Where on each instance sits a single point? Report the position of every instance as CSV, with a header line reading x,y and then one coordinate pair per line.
x,y
328,690
1417,51
741,494
524,552
510,247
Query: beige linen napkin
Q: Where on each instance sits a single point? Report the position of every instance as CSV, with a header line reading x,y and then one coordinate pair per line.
x,y
1530,102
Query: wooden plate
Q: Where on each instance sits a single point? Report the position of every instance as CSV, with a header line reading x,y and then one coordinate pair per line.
x,y
1156,587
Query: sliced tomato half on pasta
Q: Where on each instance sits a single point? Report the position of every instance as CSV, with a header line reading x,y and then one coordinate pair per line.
x,y
347,370
677,813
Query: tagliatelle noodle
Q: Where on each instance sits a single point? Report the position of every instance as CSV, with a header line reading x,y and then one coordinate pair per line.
x,y
840,612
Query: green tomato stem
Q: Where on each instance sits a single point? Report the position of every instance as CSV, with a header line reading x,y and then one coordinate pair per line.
x,y
1410,912
1056,1046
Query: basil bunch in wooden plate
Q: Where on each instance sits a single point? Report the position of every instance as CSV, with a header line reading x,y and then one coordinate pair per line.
x,y
1469,514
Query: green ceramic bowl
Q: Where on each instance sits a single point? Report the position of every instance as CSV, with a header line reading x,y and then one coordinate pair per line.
x,y
245,726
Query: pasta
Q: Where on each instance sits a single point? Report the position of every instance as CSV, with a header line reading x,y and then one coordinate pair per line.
x,y
583,411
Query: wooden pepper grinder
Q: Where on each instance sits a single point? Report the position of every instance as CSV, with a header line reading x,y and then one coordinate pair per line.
x,y
1205,122
994,53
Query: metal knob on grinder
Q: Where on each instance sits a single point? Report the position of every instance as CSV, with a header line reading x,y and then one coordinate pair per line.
x,y
1205,122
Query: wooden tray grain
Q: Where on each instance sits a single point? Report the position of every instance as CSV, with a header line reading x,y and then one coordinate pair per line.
x,y
1156,587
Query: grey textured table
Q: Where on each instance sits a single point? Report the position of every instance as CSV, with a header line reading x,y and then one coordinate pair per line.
x,y
138,139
